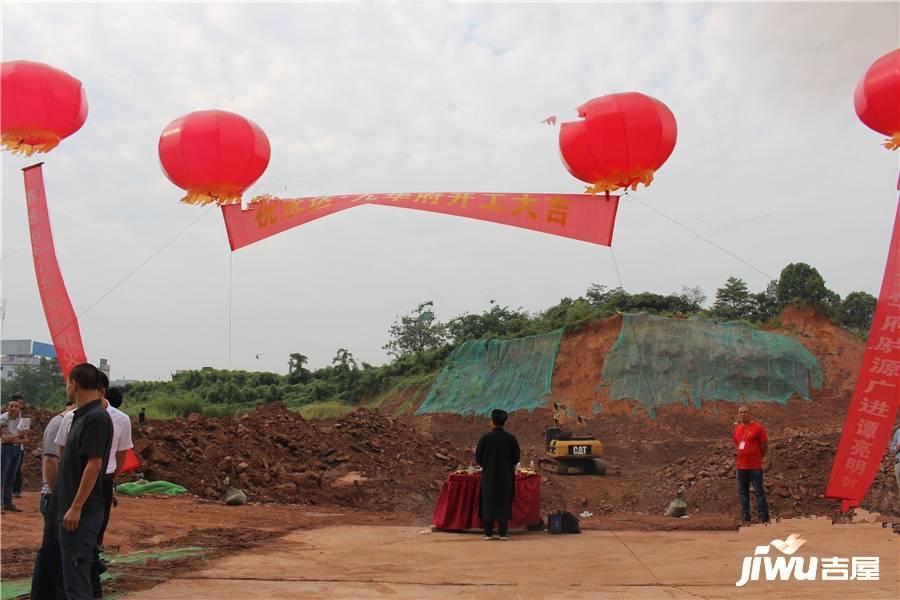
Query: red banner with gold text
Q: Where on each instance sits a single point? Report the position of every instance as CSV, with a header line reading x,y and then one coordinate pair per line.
x,y
870,421
61,319
577,216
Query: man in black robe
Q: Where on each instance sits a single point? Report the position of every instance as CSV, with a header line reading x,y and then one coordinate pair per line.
x,y
498,454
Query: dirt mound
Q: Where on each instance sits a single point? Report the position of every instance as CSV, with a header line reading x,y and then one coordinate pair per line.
x,y
374,461
364,459
796,475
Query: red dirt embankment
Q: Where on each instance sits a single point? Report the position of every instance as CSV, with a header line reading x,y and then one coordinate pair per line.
x,y
364,459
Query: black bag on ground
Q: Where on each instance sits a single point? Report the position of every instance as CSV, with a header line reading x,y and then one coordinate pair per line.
x,y
562,522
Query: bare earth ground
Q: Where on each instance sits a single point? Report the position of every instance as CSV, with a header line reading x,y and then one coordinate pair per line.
x,y
282,551
160,524
366,485
347,561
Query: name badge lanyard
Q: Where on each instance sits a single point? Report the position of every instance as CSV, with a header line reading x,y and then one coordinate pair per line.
x,y
743,443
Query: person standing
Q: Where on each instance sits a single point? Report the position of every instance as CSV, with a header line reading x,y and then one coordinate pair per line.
x,y
114,396
895,448
17,480
752,444
10,450
46,580
498,454
78,492
121,443
141,417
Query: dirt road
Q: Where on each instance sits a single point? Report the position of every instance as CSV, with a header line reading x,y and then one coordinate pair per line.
x,y
402,562
139,526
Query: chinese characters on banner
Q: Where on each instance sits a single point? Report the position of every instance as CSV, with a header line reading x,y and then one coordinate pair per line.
x,y
61,319
870,421
577,216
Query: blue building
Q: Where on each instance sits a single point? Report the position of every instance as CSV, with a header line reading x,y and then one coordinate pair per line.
x,y
16,353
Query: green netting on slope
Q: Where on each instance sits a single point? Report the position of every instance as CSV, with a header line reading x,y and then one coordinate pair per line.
x,y
657,361
481,375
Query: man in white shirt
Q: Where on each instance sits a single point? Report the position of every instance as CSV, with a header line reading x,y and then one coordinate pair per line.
x,y
11,450
121,443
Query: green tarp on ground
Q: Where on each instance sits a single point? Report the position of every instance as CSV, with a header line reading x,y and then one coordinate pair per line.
x,y
138,488
659,360
22,587
481,375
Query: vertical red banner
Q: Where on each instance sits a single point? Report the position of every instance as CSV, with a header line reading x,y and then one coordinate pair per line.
x,y
870,420
61,318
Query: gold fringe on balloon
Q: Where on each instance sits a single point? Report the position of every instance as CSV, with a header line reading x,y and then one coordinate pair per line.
x,y
199,198
893,142
15,142
627,181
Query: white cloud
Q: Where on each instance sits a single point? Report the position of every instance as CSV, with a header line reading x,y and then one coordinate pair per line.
x,y
365,97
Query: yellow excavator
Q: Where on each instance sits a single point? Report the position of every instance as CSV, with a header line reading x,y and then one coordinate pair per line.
x,y
570,453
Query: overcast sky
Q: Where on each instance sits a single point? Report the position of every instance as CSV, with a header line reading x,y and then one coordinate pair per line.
x,y
771,162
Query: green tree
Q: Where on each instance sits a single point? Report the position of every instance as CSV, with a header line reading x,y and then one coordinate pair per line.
x,y
857,311
693,297
497,321
800,282
765,304
733,301
602,297
343,360
41,384
597,294
419,331
296,371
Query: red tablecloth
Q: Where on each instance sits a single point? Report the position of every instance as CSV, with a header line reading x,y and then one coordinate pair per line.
x,y
457,507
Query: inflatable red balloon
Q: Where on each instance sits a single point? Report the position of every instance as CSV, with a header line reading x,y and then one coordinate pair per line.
x,y
214,155
877,98
621,141
39,106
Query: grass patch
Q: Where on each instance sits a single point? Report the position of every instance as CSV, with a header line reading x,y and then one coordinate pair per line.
x,y
422,381
330,409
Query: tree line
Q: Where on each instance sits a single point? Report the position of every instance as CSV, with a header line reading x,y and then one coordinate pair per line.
x,y
418,343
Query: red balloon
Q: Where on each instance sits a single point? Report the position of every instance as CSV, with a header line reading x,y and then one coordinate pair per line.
x,y
39,106
622,141
213,154
877,98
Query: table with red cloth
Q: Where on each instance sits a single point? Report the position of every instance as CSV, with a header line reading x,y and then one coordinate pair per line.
x,y
457,507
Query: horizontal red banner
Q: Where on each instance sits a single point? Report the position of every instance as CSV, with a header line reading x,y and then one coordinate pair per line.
x,y
577,216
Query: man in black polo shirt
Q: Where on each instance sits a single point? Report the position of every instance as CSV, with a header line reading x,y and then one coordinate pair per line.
x,y
78,494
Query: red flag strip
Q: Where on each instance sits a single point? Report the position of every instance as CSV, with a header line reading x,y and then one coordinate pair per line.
x,y
873,408
577,216
61,319
131,462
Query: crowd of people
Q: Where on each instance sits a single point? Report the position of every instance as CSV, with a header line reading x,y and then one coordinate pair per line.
x,y
83,450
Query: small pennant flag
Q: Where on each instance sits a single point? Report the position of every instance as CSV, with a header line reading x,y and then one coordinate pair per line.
x,y
551,120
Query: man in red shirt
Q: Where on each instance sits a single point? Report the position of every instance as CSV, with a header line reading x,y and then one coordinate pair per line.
x,y
752,443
